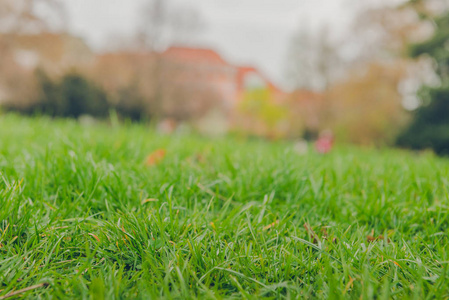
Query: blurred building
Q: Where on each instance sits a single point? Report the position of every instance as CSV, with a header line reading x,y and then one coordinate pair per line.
x,y
180,75
206,69
201,70
182,83
116,71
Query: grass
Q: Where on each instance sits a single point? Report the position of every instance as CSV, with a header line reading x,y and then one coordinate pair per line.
x,y
83,216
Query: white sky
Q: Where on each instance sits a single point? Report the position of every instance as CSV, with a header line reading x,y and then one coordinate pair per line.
x,y
255,32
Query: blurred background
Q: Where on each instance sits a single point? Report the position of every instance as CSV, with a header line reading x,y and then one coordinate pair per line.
x,y
371,72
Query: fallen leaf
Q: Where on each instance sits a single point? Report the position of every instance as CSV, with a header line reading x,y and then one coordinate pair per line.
x,y
396,264
27,289
371,238
93,235
149,200
155,157
200,158
311,233
350,284
324,232
271,225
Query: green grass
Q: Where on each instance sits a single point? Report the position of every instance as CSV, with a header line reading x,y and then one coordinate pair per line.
x,y
229,221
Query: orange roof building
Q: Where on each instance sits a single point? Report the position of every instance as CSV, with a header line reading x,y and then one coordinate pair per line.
x,y
205,67
201,69
195,55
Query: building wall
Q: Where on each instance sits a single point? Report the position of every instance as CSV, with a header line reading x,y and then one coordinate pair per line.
x,y
206,69
202,70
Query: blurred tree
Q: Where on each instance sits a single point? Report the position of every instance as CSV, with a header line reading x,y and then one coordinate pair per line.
x,y
50,99
155,24
131,104
313,60
430,125
82,97
384,33
18,17
163,24
128,78
71,96
25,16
22,16
367,106
367,74
314,63
260,115
307,112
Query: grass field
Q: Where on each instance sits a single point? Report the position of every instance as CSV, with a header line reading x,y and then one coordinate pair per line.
x,y
84,215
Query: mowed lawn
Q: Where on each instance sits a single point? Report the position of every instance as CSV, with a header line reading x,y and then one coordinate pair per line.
x,y
88,212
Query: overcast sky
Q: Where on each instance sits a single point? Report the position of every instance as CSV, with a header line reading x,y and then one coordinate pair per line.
x,y
255,32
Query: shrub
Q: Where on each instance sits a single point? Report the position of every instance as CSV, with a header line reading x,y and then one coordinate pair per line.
x,y
131,104
71,96
82,97
430,126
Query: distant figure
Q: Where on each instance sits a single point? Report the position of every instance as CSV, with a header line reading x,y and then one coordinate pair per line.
x,y
325,142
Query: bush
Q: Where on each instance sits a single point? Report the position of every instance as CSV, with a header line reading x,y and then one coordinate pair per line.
x,y
131,104
430,126
50,100
71,96
82,97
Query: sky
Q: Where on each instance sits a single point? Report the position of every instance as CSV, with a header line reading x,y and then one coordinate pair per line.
x,y
246,32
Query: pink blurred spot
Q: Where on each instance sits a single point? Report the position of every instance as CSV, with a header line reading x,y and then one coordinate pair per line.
x,y
325,142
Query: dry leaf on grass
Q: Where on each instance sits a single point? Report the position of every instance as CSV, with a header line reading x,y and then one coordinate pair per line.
x,y
315,237
311,233
94,236
155,157
371,238
149,200
27,289
271,225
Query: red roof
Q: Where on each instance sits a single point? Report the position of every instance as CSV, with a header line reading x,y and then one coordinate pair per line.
x,y
243,71
194,55
201,55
